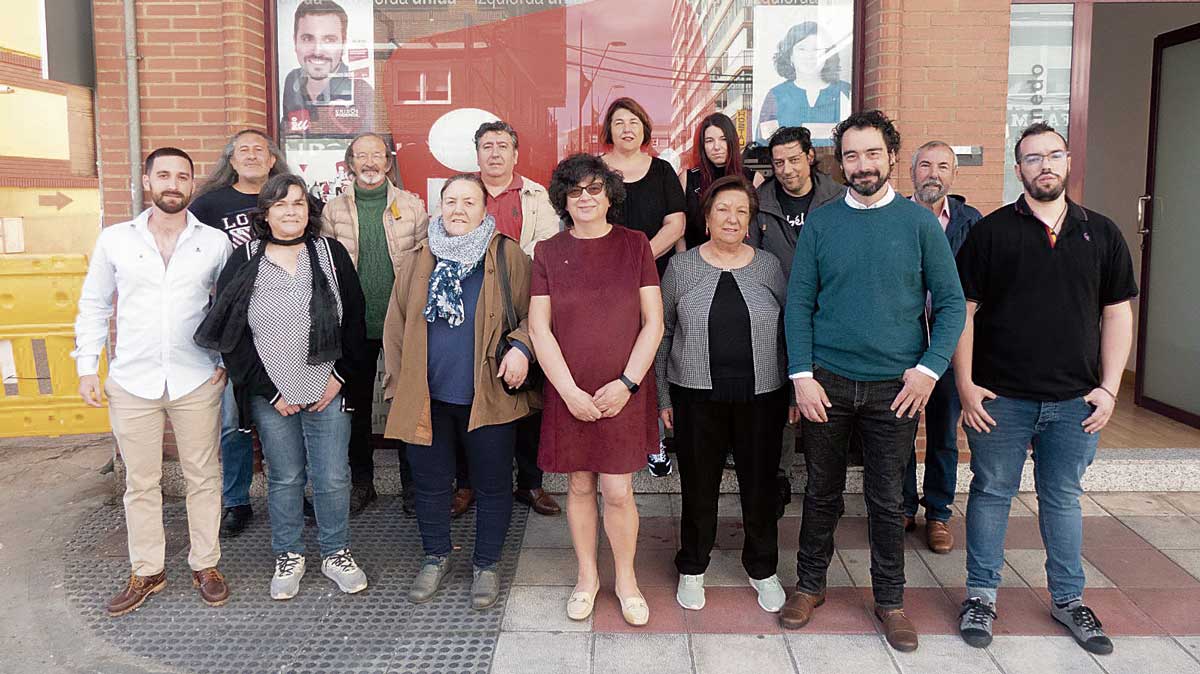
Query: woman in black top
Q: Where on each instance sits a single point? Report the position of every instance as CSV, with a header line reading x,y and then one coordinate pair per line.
x,y
714,155
722,356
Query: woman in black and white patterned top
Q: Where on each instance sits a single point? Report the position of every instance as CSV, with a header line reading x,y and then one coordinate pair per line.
x,y
289,317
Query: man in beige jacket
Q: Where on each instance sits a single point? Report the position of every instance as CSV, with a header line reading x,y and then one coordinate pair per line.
x,y
380,225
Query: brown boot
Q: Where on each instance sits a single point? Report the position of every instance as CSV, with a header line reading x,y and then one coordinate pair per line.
x,y
910,523
135,593
541,502
798,609
938,537
897,629
213,589
463,498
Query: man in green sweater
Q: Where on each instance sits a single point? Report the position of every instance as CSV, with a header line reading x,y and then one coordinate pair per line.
x,y
861,359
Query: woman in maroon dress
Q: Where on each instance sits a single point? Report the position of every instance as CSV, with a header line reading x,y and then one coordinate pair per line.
x,y
596,319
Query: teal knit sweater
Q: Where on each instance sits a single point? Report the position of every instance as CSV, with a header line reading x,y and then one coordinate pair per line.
x,y
856,295
375,270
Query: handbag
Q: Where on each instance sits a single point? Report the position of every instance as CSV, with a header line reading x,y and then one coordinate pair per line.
x,y
535,377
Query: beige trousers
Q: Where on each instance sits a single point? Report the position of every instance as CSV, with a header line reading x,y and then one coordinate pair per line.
x,y
138,425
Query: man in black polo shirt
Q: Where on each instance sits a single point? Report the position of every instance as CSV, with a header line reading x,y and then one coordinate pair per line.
x,y
1049,326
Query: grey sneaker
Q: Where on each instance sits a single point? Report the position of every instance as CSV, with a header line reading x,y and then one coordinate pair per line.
x,y
771,594
428,579
341,568
975,621
690,592
485,588
289,569
1084,626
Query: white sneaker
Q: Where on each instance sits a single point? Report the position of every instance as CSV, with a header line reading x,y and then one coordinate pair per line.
x,y
690,593
341,568
289,569
771,595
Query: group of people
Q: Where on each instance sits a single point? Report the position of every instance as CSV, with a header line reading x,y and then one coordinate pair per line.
x,y
571,327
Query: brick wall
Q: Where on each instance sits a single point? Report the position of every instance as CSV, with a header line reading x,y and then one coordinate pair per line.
x,y
202,76
939,68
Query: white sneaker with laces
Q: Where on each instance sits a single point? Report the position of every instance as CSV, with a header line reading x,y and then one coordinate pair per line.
x,y
289,569
341,568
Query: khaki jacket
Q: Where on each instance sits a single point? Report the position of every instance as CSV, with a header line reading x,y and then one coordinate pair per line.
x,y
405,346
405,223
538,219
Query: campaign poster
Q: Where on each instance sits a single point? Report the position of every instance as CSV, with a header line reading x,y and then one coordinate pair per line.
x,y
326,68
803,65
322,164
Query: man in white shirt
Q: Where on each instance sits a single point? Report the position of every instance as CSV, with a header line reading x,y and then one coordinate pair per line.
x,y
163,266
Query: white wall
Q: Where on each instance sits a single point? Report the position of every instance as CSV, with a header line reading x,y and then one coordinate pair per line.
x,y
1119,108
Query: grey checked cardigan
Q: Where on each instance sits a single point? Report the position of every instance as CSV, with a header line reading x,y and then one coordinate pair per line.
x,y
687,289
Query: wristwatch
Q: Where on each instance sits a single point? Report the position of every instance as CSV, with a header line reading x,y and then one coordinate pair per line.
x,y
633,388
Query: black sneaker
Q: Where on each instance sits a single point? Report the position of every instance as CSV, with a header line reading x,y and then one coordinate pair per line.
x,y
1084,626
310,513
360,496
235,519
975,621
659,464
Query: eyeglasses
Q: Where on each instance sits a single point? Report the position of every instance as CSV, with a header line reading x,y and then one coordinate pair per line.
x,y
594,189
363,156
1033,159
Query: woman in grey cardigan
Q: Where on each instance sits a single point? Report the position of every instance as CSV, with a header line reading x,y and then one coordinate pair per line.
x,y
722,354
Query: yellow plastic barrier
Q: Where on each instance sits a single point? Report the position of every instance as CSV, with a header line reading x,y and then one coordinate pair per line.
x,y
39,296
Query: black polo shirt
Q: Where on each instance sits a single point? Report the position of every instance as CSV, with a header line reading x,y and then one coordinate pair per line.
x,y
1037,327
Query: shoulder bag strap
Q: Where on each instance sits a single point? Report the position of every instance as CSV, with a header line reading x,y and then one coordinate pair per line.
x,y
510,314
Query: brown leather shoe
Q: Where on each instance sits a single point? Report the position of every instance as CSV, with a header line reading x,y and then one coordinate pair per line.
x,y
463,498
897,629
938,537
798,609
135,593
910,523
213,589
541,502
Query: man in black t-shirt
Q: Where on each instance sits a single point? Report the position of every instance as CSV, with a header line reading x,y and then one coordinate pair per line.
x,y
1049,327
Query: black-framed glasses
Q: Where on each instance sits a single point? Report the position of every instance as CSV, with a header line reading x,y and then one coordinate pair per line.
x,y
594,189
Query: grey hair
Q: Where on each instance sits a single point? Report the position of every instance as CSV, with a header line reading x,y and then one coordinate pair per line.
x,y
391,169
223,175
929,146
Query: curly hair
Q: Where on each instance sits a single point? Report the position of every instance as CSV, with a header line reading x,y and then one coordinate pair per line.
x,y
830,72
276,189
577,168
867,119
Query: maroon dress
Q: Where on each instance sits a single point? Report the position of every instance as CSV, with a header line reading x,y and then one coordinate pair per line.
x,y
596,315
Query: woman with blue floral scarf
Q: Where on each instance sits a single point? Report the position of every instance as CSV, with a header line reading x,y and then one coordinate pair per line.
x,y
446,384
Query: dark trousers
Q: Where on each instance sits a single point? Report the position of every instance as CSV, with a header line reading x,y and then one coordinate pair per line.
x,y
941,454
361,391
887,446
489,451
704,431
529,435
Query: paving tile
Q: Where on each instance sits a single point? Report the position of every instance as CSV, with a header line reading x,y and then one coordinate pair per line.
x,y
858,564
541,608
856,505
1110,532
653,505
725,569
837,576
740,653
729,505
931,610
1021,612
1121,617
1023,534
730,533
1188,559
851,534
945,655
1132,655
1030,565
842,613
654,533
642,653
789,531
1174,610
731,610
547,532
546,566
1178,532
1148,568
538,652
1187,501
1191,645
1135,503
653,568
1088,505
950,569
824,653
666,616
1038,655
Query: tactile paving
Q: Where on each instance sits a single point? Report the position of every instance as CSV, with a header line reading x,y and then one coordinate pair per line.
x,y
321,629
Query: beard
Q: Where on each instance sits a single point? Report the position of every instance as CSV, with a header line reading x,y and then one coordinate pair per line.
x,y
931,190
160,200
867,183
1043,193
372,177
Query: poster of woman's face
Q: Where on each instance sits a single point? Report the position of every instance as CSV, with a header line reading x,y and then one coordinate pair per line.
x,y
803,67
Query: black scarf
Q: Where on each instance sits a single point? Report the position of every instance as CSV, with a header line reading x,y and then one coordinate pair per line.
x,y
226,321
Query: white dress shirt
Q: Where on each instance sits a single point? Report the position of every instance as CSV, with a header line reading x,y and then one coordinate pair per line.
x,y
158,307
888,195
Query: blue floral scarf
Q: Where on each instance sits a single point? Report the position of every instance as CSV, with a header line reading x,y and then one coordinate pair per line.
x,y
457,257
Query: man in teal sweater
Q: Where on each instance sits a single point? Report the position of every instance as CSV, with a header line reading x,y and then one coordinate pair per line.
x,y
861,359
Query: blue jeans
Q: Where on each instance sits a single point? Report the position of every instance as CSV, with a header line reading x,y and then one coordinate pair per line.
x,y
489,451
237,454
1062,451
941,454
299,447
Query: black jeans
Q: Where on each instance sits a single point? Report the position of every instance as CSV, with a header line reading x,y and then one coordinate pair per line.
x,y
529,436
490,451
887,447
361,390
704,430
